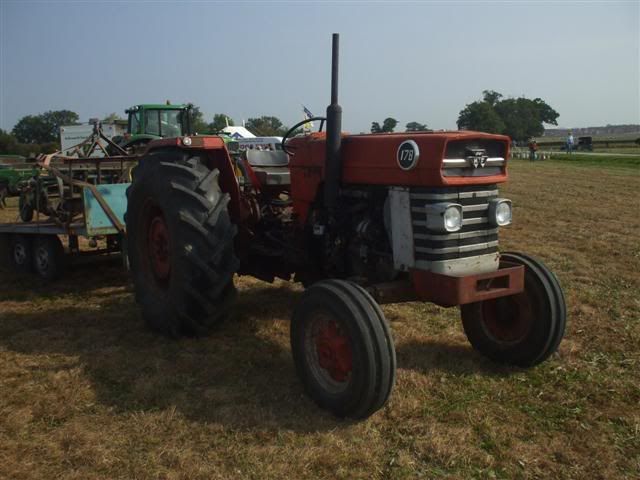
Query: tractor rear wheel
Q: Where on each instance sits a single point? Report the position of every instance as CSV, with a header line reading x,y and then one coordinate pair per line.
x,y
522,329
180,244
343,349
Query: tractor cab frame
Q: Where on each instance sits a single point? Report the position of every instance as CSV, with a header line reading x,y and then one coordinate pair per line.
x,y
147,122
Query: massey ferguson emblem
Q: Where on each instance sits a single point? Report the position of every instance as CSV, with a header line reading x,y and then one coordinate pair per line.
x,y
479,162
478,157
408,155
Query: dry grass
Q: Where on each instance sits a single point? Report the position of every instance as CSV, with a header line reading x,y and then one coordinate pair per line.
x,y
86,392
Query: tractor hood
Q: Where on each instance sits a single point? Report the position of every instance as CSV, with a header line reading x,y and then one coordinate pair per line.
x,y
428,159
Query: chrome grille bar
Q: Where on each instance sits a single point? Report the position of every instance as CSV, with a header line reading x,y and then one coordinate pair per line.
x,y
465,162
476,238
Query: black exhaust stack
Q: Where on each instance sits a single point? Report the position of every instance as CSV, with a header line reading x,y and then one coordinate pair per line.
x,y
333,162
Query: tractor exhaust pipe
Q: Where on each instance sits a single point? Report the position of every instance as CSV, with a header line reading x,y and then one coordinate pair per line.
x,y
333,162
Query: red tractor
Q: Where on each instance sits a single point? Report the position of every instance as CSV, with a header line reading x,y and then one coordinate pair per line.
x,y
360,220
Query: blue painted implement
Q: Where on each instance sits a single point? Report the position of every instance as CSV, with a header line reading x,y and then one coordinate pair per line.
x,y
96,219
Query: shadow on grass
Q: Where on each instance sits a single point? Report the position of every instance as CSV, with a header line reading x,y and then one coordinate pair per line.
x,y
432,356
78,279
242,376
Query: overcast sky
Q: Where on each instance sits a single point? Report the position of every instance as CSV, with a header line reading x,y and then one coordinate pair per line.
x,y
415,61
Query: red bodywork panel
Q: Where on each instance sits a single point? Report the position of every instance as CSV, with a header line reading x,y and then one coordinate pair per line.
x,y
198,141
371,160
449,291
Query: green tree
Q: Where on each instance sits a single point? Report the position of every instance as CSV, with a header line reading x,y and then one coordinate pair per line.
x,y
388,125
520,118
43,128
8,143
491,97
198,124
32,129
112,117
416,127
480,116
266,126
220,122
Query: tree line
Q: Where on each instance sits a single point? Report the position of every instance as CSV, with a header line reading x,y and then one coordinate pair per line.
x,y
519,118
35,134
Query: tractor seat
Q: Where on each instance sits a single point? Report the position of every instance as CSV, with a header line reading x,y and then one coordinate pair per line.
x,y
271,167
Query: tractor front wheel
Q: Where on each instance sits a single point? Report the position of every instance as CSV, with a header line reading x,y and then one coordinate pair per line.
x,y
522,329
180,244
343,349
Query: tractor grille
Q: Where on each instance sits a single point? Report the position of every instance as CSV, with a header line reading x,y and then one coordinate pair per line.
x,y
477,158
476,237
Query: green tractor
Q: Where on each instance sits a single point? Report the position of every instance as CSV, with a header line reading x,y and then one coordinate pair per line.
x,y
149,122
11,177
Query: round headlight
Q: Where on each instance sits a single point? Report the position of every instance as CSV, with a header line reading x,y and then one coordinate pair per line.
x,y
503,214
186,141
452,219
444,217
500,213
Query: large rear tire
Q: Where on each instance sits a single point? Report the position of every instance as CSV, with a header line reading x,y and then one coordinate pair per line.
x,y
180,244
523,329
343,349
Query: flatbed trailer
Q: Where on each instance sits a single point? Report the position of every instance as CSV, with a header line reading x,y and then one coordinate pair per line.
x,y
87,221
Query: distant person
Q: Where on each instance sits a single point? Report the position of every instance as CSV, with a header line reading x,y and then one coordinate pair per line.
x,y
570,143
533,148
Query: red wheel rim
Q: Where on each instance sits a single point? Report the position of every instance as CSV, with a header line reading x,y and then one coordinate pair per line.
x,y
158,247
509,319
333,350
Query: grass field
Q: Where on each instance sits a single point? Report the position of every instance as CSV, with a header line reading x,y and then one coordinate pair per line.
x,y
611,161
87,392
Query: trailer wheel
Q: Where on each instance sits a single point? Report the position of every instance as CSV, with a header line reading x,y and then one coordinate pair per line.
x,y
343,349
48,257
20,253
180,244
523,329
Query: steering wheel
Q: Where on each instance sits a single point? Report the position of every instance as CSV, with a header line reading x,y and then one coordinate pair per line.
x,y
295,127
